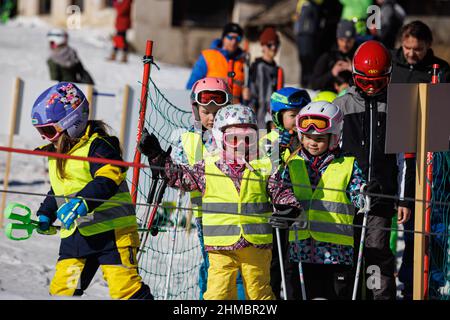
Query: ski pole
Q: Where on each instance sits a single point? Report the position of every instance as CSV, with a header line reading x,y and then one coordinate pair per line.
x,y
300,265
172,249
366,211
280,255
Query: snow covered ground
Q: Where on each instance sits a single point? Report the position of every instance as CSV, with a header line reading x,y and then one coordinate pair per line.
x,y
26,268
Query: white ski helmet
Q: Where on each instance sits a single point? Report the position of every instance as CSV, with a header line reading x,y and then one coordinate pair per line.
x,y
321,117
235,114
57,36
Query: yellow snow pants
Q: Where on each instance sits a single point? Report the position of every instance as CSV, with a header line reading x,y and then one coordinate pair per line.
x,y
254,265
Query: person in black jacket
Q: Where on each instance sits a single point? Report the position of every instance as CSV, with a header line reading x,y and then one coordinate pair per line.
x,y
413,61
330,64
364,136
263,77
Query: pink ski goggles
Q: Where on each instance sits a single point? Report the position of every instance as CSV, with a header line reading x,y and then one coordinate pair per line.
x,y
219,97
50,131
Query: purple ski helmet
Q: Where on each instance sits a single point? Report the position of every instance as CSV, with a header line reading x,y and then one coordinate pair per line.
x,y
60,108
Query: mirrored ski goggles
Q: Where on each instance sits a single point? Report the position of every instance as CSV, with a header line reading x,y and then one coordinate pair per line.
x,y
234,139
50,131
219,97
319,123
376,84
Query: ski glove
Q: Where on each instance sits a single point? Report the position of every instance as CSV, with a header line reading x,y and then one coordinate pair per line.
x,y
71,211
374,187
284,218
44,223
149,146
285,138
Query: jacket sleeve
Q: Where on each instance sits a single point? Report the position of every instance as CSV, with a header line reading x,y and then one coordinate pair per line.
x,y
48,207
321,74
355,184
106,177
406,179
280,189
55,72
199,71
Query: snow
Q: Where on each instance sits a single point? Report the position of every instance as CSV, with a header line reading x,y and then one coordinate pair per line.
x,y
27,267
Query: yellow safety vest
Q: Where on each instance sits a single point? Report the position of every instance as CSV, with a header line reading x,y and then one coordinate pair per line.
x,y
108,216
329,213
228,215
194,150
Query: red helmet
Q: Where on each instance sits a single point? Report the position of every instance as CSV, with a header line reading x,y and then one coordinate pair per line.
x,y
372,67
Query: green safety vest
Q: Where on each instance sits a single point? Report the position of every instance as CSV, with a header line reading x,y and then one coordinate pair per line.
x,y
109,215
228,215
324,205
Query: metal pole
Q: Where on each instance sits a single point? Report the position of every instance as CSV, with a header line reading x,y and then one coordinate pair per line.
x,y
280,255
300,266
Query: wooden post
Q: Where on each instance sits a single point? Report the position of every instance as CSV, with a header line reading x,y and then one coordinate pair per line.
x,y
124,118
421,188
12,131
90,98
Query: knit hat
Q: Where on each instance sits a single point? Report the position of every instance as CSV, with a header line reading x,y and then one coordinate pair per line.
x,y
269,35
232,28
346,29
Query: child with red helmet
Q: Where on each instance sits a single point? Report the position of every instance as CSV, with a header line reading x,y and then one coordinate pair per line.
x,y
364,136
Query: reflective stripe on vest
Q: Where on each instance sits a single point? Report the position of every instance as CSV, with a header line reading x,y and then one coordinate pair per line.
x,y
217,66
109,215
194,149
329,212
228,215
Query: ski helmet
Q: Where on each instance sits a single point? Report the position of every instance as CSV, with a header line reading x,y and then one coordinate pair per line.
x,y
60,108
327,96
321,117
57,37
372,67
209,91
285,99
232,115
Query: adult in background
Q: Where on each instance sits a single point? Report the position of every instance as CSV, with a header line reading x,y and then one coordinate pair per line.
x,y
123,24
392,16
331,63
215,61
263,77
63,63
413,63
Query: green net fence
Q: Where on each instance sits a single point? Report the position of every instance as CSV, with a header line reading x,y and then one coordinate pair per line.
x,y
175,248
440,218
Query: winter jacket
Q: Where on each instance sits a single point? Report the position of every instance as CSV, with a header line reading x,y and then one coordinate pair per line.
x,y
64,65
322,78
364,137
421,72
262,83
200,69
123,19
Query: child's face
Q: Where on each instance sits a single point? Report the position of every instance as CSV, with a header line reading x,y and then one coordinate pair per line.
x,y
240,142
207,115
316,145
270,50
288,117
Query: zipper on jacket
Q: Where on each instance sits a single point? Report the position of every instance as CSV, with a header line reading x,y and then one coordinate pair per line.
x,y
370,139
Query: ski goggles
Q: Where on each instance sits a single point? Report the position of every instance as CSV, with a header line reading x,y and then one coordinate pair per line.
x,y
371,85
318,122
230,37
272,45
219,97
50,131
235,139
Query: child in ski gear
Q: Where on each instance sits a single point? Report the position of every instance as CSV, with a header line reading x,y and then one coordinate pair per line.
x,y
91,200
225,59
63,63
208,96
263,77
364,134
123,24
324,244
235,188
